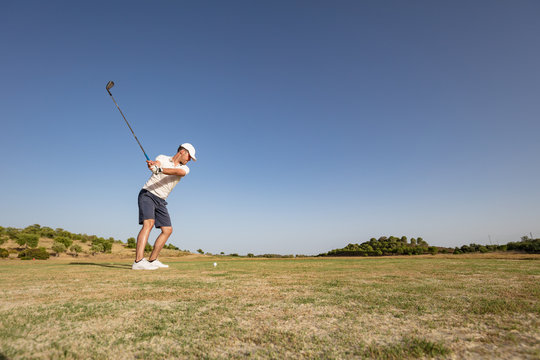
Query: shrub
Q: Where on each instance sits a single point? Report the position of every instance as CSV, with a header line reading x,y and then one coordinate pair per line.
x,y
64,241
11,232
33,229
171,247
76,249
148,247
30,240
131,243
4,253
47,232
38,254
96,248
105,244
58,248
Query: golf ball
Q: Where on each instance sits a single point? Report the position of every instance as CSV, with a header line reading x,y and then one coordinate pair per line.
x,y
215,264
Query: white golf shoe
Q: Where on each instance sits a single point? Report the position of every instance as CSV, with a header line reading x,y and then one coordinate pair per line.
x,y
159,264
144,265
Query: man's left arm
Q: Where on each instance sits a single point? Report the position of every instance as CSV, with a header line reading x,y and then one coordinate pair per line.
x,y
174,171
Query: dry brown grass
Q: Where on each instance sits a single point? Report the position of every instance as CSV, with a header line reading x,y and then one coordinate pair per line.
x,y
404,307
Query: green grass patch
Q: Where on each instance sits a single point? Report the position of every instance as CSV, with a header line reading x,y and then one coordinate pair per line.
x,y
407,348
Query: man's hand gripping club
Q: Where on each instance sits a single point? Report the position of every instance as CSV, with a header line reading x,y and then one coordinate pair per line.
x,y
154,166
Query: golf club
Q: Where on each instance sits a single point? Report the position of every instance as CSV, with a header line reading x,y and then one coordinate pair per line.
x,y
110,84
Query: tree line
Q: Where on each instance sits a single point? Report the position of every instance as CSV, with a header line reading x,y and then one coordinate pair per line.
x,y
393,245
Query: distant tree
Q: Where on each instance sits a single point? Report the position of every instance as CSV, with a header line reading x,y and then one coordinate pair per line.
x,y
96,248
12,232
32,241
4,253
131,243
404,239
105,244
250,255
413,241
171,247
33,229
148,247
28,240
58,248
200,251
64,241
47,232
222,253
76,249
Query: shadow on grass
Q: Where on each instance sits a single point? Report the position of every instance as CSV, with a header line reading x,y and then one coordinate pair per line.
x,y
118,266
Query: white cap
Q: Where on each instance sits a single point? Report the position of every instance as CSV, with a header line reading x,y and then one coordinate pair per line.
x,y
190,149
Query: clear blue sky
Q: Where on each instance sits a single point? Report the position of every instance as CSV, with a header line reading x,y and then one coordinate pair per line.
x,y
316,123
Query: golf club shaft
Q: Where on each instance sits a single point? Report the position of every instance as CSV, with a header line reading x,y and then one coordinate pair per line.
x,y
135,136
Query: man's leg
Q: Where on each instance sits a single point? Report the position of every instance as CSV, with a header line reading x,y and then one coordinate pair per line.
x,y
142,238
166,231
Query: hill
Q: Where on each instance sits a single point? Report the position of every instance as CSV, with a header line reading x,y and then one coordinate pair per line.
x,y
60,243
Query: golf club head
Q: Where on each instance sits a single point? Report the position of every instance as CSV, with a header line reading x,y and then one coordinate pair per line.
x,y
110,84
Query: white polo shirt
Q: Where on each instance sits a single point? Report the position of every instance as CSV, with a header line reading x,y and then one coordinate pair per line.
x,y
161,185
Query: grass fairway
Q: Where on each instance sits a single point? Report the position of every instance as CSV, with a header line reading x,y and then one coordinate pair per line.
x,y
390,308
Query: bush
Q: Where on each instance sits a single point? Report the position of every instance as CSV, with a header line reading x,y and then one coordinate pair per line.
x,y
105,244
47,232
38,254
76,249
58,248
171,247
4,253
148,247
30,240
64,241
131,243
11,232
96,248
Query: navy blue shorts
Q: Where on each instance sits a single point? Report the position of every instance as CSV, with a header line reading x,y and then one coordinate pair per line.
x,y
153,207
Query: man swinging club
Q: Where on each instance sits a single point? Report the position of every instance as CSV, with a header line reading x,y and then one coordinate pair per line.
x,y
166,173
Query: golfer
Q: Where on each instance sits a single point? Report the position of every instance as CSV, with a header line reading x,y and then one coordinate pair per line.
x,y
166,173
